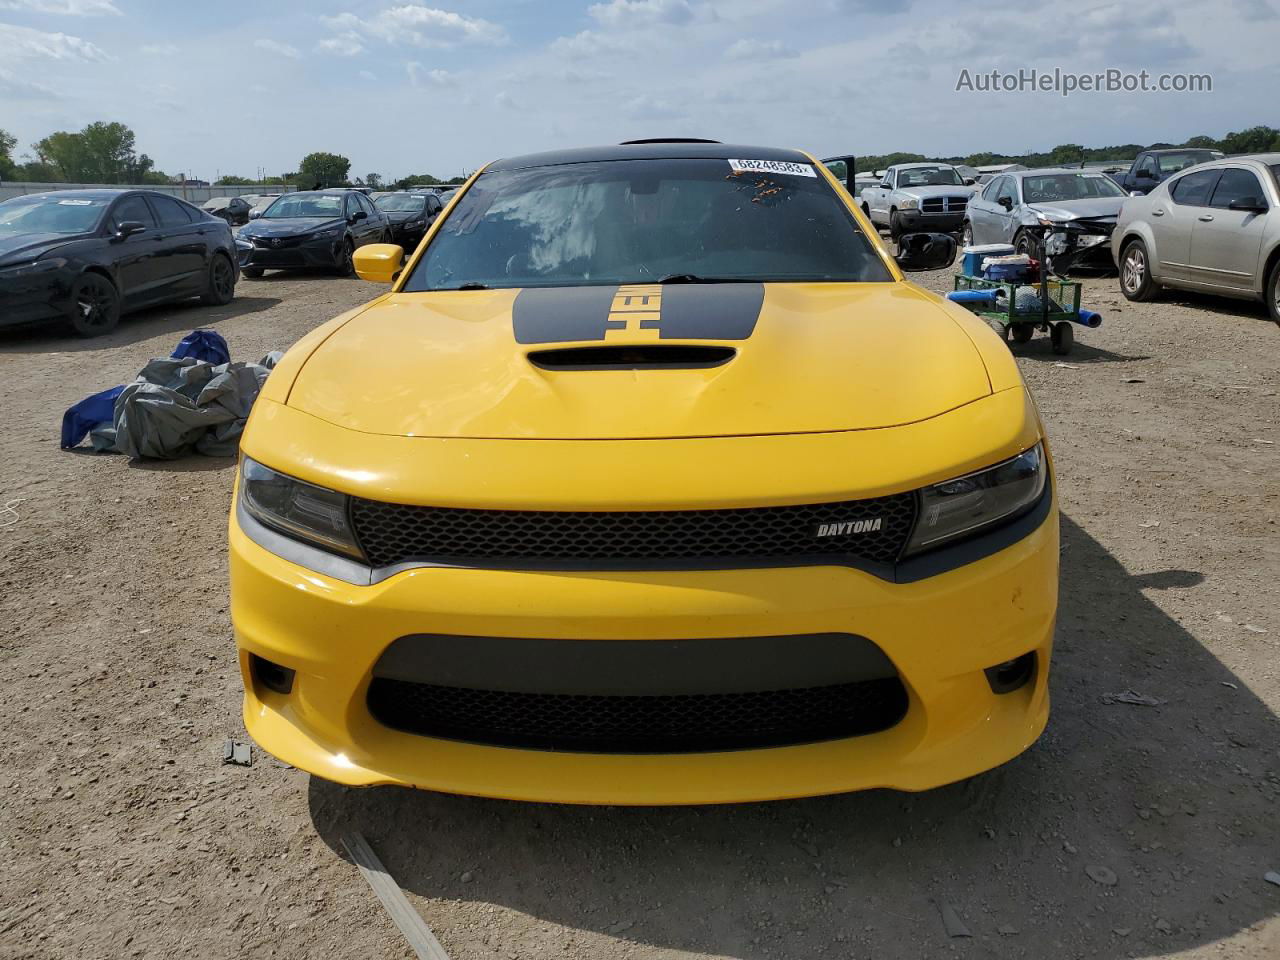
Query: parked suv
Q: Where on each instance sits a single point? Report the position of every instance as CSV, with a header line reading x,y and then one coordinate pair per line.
x,y
1214,228
918,196
1152,167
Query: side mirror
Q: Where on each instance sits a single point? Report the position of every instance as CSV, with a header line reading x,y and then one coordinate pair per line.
x,y
925,251
1005,202
254,214
1136,193
1248,204
378,262
128,228
969,181
1145,175
886,185
357,217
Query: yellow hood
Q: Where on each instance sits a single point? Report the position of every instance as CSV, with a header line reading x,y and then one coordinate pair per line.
x,y
807,358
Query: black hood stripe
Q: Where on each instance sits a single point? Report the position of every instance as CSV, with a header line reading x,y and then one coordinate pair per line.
x,y
722,311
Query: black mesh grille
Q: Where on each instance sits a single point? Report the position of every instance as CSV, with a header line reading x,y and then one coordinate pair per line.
x,y
678,723
393,533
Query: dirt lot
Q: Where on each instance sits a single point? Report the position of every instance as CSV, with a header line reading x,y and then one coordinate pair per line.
x,y
1128,831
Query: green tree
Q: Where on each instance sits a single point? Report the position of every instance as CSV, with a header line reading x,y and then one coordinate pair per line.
x,y
325,169
100,153
232,181
1066,153
373,181
1253,140
7,167
416,180
1202,142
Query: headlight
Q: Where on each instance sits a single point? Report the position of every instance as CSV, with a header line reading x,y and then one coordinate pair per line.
x,y
960,507
1090,239
331,234
414,223
300,510
908,203
35,267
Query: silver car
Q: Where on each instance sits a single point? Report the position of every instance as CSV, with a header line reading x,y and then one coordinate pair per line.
x,y
1012,207
1214,227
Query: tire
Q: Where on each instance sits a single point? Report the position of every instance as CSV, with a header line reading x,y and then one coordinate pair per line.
x,y
866,211
1135,273
1022,243
253,273
347,266
387,237
1273,292
95,305
895,226
966,235
220,286
1021,332
1063,337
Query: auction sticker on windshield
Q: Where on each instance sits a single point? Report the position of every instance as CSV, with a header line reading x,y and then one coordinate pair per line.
x,y
772,166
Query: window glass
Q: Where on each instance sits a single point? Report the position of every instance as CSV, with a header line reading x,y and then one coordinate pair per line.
x,y
1056,187
992,189
930,177
1193,190
1148,165
50,214
170,212
1175,162
1008,189
290,205
1236,184
133,208
839,169
643,221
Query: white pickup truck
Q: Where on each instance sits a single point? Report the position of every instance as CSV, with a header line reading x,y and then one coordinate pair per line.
x,y
918,197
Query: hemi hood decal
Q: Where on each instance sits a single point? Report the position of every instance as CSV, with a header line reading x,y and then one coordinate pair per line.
x,y
637,312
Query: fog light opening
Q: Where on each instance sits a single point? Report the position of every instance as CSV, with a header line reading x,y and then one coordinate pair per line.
x,y
271,675
1012,674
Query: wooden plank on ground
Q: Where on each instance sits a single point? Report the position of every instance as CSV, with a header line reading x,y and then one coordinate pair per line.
x,y
414,928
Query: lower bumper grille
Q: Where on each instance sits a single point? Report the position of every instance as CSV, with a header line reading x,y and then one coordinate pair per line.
x,y
672,723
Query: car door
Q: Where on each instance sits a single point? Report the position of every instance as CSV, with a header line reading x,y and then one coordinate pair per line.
x,y
1174,213
379,223
134,256
182,254
1226,244
358,220
879,203
1005,211
434,206
981,212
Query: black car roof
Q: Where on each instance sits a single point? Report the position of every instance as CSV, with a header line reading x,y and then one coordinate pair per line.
x,y
87,194
650,151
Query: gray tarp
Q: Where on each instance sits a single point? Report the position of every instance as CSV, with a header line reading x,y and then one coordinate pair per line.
x,y
177,407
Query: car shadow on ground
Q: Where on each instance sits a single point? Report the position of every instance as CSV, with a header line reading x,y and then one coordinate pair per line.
x,y
1040,349
1128,831
178,318
1229,306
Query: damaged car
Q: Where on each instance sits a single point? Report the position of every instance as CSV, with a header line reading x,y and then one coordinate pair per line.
x,y
1086,202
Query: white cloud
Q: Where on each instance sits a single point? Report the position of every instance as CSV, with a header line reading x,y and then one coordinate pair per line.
x,y
368,75
160,50
72,8
17,88
22,43
589,44
346,44
747,49
421,77
274,46
503,99
419,26
627,13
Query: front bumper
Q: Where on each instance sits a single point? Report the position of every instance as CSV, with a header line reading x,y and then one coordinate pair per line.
x,y
30,297
940,632
931,222
311,254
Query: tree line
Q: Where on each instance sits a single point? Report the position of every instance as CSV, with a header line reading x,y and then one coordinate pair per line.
x,y
106,152
1259,139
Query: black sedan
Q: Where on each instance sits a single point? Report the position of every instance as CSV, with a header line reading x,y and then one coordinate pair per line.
x,y
411,215
90,255
311,229
234,210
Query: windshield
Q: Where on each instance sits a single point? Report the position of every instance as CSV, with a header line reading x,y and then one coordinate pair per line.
x,y
327,205
1056,187
1173,162
929,177
50,215
400,201
643,221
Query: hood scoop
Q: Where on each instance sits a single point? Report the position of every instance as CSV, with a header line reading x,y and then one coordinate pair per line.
x,y
647,356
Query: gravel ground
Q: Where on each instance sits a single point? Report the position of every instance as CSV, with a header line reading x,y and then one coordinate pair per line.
x,y
1128,831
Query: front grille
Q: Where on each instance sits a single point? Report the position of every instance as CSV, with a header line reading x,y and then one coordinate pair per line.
x,y
277,243
944,204
677,723
872,531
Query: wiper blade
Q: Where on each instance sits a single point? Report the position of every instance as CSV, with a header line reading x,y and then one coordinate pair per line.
x,y
472,286
694,278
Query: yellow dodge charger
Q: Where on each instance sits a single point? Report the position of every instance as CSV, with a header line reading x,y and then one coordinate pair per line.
x,y
649,481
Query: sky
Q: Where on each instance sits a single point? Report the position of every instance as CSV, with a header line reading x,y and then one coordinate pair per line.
x,y
231,87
